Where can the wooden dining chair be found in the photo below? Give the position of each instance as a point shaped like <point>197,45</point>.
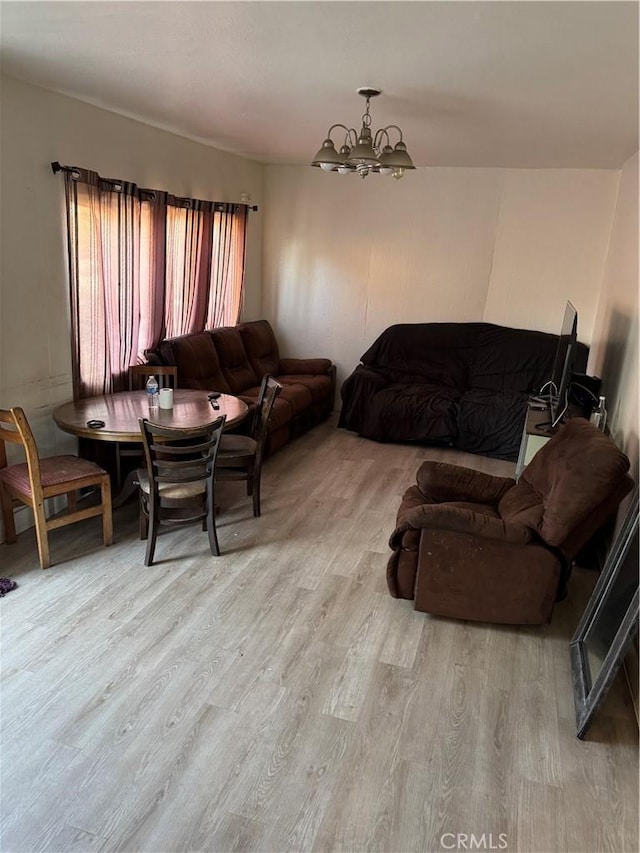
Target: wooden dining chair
<point>240,456</point>
<point>34,481</point>
<point>177,486</point>
<point>167,375</point>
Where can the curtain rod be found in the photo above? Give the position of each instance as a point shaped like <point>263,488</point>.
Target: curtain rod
<point>57,167</point>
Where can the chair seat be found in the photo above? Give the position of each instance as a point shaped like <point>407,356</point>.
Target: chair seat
<point>172,490</point>
<point>35,481</point>
<point>234,446</point>
<point>54,470</point>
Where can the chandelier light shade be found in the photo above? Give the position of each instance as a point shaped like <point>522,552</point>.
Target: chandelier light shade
<point>365,152</point>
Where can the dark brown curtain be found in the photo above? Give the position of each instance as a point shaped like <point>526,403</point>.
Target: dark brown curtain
<point>144,265</point>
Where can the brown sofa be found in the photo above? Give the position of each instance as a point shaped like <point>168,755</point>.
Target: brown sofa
<point>469,545</point>
<point>234,359</point>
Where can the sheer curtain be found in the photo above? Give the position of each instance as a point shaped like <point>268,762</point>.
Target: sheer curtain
<point>144,265</point>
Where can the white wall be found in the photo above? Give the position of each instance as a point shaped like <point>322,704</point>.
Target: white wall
<point>614,352</point>
<point>344,257</point>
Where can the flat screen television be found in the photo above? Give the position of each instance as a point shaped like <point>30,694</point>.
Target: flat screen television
<point>558,385</point>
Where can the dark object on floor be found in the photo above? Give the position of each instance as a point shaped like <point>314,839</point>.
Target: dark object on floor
<point>235,359</point>
<point>6,585</point>
<point>32,482</point>
<point>463,385</point>
<point>177,486</point>
<point>469,545</point>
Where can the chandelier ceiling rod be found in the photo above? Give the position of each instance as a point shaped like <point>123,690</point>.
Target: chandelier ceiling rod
<point>364,152</point>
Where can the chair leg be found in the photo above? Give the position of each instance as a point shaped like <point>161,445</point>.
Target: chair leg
<point>7,515</point>
<point>72,503</point>
<point>107,516</point>
<point>211,530</point>
<point>42,535</point>
<point>151,540</point>
<point>144,517</point>
<point>256,499</point>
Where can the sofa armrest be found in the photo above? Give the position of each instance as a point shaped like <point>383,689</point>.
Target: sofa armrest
<point>304,366</point>
<point>444,482</point>
<point>460,520</point>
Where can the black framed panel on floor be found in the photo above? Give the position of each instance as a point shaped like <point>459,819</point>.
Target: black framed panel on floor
<point>608,624</point>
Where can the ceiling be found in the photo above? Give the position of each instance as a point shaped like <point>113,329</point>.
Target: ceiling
<point>504,84</point>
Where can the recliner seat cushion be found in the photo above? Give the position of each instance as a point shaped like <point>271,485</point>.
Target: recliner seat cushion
<point>320,387</point>
<point>297,395</point>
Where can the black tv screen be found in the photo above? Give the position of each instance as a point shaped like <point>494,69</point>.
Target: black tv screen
<point>563,365</point>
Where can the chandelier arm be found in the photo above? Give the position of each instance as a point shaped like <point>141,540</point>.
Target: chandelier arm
<point>377,140</point>
<point>393,127</point>
<point>343,126</point>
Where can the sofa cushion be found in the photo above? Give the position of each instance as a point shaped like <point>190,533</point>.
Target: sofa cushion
<point>413,413</point>
<point>235,365</point>
<point>304,366</point>
<point>281,413</point>
<point>261,347</point>
<point>320,387</point>
<point>491,422</point>
<point>298,396</point>
<point>197,360</point>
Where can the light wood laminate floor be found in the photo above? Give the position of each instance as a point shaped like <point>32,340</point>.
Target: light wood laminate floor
<point>278,699</point>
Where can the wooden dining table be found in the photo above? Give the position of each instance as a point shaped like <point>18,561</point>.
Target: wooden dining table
<point>120,413</point>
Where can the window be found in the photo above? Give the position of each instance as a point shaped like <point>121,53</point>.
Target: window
<point>145,265</point>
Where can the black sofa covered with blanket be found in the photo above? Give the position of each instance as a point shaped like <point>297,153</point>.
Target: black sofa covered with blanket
<point>463,385</point>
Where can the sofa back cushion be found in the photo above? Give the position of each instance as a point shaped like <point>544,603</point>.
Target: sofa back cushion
<point>435,352</point>
<point>197,361</point>
<point>261,347</point>
<point>515,359</point>
<point>234,361</point>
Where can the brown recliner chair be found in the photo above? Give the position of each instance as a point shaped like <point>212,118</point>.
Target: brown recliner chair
<point>469,545</point>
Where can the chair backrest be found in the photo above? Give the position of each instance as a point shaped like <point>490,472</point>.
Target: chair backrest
<point>15,429</point>
<point>269,390</point>
<point>180,456</point>
<point>167,375</point>
<point>580,477</point>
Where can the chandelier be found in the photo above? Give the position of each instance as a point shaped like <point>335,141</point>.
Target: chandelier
<point>365,152</point>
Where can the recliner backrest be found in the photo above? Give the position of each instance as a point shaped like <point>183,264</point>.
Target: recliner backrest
<point>261,346</point>
<point>581,477</point>
<point>234,361</point>
<point>197,361</point>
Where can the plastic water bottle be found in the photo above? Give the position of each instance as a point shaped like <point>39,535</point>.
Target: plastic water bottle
<point>152,392</point>
<point>599,416</point>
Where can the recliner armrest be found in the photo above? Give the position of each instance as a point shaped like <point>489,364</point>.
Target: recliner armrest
<point>444,517</point>
<point>444,482</point>
<point>305,366</point>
